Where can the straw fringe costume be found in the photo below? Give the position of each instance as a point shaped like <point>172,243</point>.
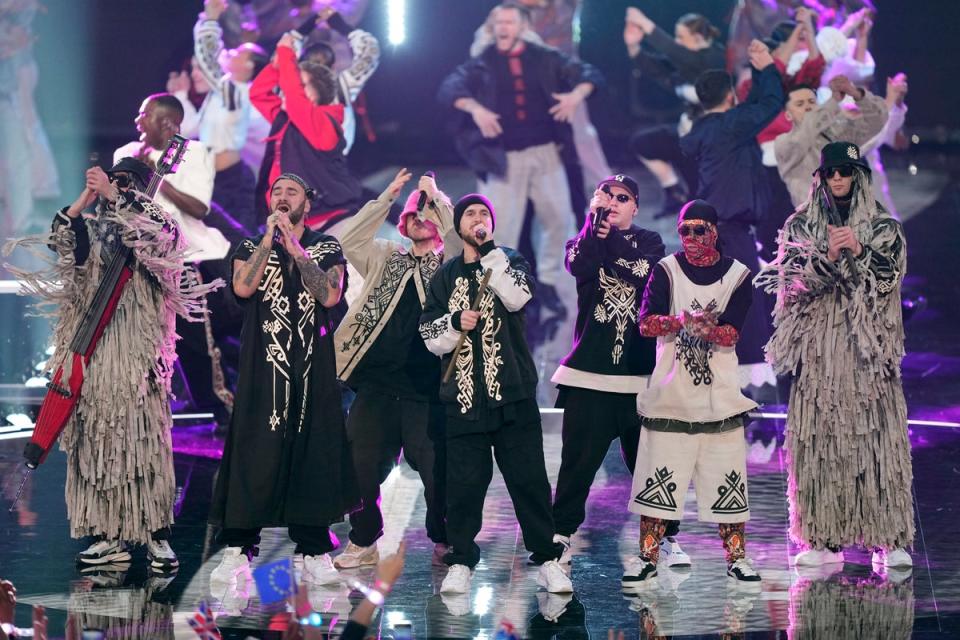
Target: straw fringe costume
<point>120,480</point>
<point>849,455</point>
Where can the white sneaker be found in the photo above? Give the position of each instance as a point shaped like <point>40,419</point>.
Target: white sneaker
<point>233,564</point>
<point>671,553</point>
<point>319,570</point>
<point>356,556</point>
<point>893,558</point>
<point>457,580</point>
<point>552,578</point>
<point>744,575</point>
<point>567,556</point>
<point>553,605</point>
<point>104,552</point>
<point>639,572</point>
<point>817,557</point>
<point>161,557</point>
<point>458,604</point>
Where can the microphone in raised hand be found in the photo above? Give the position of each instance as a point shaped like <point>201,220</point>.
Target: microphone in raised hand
<point>422,200</point>
<point>480,232</point>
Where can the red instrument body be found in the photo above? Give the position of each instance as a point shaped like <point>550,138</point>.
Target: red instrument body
<point>58,406</point>
<point>61,400</point>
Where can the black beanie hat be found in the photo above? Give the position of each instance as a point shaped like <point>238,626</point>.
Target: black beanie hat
<point>698,210</point>
<point>466,201</point>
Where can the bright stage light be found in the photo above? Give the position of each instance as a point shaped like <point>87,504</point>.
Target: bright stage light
<point>396,21</point>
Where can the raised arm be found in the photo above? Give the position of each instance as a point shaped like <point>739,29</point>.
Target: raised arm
<point>510,277</point>
<point>366,56</point>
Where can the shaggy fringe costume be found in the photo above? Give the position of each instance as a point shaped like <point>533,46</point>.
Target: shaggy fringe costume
<point>120,480</point>
<point>849,455</point>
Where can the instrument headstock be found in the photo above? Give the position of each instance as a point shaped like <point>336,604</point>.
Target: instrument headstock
<point>172,155</point>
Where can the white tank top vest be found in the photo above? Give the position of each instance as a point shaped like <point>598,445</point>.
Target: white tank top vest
<point>694,380</point>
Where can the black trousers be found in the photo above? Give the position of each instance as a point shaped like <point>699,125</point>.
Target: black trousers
<point>514,434</point>
<point>310,540</point>
<point>379,427</point>
<point>591,421</point>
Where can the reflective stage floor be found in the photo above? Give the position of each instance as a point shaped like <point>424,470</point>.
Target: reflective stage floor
<point>37,554</point>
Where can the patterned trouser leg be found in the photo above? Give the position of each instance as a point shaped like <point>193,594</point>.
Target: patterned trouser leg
<point>651,533</point>
<point>734,538</point>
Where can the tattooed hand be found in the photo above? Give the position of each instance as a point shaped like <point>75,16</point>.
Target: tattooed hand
<point>324,285</point>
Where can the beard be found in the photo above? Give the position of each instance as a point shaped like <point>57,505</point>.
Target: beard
<point>294,215</point>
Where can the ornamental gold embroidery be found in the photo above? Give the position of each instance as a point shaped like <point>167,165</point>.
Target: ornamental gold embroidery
<point>460,300</point>
<point>492,360</point>
<point>640,268</point>
<point>619,305</point>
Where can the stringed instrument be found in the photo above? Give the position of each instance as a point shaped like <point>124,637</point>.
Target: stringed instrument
<point>62,395</point>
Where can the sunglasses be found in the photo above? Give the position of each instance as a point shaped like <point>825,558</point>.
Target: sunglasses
<point>122,180</point>
<point>697,230</point>
<point>845,171</point>
<point>619,197</point>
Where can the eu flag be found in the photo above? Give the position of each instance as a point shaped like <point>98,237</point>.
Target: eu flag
<point>275,581</point>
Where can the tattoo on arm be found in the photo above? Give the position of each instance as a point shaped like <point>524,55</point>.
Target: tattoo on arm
<point>321,284</point>
<point>253,264</point>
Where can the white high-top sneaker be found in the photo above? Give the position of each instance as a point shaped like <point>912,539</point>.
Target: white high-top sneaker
<point>896,557</point>
<point>671,554</point>
<point>356,556</point>
<point>319,570</point>
<point>457,580</point>
<point>233,565</point>
<point>552,578</point>
<point>817,557</point>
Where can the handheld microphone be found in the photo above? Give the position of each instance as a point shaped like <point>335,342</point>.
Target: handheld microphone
<point>599,216</point>
<point>423,194</point>
<point>481,233</point>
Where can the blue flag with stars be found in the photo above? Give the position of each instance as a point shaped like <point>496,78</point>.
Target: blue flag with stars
<point>275,581</point>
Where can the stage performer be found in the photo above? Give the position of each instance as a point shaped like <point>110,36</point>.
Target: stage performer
<point>599,379</point>
<point>285,460</point>
<point>381,356</point>
<point>490,398</point>
<point>693,412</point>
<point>839,333</point>
<point>120,481</point>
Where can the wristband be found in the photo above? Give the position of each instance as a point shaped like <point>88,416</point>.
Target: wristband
<point>314,619</point>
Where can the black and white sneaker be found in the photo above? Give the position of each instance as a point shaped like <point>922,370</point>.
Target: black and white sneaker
<point>743,573</point>
<point>161,557</point>
<point>104,552</point>
<point>638,572</point>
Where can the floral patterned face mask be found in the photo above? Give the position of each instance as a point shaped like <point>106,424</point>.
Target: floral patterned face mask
<point>699,240</point>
